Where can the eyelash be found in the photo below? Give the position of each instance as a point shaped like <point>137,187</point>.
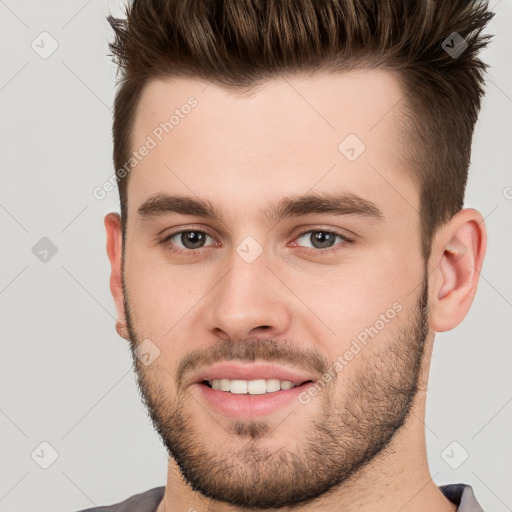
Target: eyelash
<point>308,250</point>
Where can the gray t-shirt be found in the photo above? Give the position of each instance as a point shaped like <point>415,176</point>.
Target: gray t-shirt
<point>148,501</point>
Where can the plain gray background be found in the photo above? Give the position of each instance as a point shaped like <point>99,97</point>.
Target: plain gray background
<point>66,376</point>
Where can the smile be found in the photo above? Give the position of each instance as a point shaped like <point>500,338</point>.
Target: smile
<point>251,387</point>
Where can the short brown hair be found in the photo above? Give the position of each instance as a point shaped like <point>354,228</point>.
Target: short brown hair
<point>238,44</point>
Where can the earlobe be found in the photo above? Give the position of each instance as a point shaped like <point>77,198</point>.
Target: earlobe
<point>122,330</point>
<point>457,259</point>
<point>112,223</point>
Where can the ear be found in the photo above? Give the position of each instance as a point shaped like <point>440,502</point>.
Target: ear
<point>457,256</point>
<point>114,250</point>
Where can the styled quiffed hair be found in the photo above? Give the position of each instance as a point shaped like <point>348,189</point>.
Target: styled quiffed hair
<point>238,44</point>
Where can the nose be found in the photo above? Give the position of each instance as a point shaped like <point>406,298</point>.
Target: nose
<point>249,301</point>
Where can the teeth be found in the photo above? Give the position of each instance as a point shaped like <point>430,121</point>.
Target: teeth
<point>251,387</point>
<point>239,387</point>
<point>273,385</point>
<point>224,384</point>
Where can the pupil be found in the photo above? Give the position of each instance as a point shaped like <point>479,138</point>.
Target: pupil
<point>323,239</point>
<point>192,239</point>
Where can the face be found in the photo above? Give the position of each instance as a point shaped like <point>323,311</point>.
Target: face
<point>270,256</point>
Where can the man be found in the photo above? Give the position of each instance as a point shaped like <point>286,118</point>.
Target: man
<point>292,236</point>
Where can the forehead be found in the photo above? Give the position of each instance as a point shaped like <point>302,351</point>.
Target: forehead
<point>295,107</point>
<point>292,134</point>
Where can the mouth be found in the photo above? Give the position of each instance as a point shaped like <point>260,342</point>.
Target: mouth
<point>252,387</point>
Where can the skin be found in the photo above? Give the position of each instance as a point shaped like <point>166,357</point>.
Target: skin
<point>242,153</point>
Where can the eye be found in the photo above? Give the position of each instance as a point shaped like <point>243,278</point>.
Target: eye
<point>322,239</point>
<point>191,241</point>
<point>185,241</point>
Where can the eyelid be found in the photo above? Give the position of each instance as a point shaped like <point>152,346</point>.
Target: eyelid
<point>178,231</point>
<point>347,235</point>
<point>328,251</point>
<point>346,239</point>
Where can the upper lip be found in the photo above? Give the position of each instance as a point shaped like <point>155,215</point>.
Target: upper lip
<point>250,371</point>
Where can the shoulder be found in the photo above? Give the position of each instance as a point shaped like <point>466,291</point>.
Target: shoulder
<point>146,501</point>
<point>463,496</point>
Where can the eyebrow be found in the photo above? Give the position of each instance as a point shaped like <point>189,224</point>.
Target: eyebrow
<point>161,205</point>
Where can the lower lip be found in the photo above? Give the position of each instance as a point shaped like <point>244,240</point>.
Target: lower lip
<point>243,406</point>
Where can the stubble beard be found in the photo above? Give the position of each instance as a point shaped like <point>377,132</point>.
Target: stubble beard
<point>349,431</point>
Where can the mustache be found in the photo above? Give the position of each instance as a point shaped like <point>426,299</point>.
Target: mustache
<point>266,350</point>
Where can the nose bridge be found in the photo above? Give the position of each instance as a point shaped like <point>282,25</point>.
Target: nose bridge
<point>248,296</point>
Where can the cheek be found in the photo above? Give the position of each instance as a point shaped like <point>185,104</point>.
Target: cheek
<point>155,298</point>
<point>353,298</point>
<point>340,301</point>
